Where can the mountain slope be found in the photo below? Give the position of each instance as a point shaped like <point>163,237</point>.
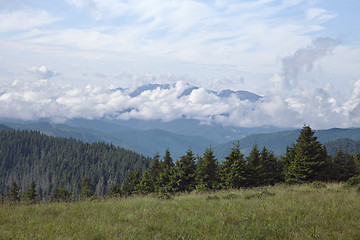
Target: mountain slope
<point>53,161</point>
<point>147,142</point>
<point>345,144</point>
<point>4,127</point>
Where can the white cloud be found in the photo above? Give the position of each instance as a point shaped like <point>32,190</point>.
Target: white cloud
<point>43,72</point>
<point>42,99</point>
<point>304,59</point>
<point>24,20</point>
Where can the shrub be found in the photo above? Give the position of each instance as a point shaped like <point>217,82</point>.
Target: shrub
<point>353,181</point>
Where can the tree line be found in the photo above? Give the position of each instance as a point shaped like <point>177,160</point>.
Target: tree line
<point>304,161</point>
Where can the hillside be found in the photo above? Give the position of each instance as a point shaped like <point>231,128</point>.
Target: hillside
<point>54,161</point>
<point>346,145</point>
<point>4,127</point>
<point>147,142</point>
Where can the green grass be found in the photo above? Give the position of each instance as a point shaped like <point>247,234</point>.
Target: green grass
<point>279,212</point>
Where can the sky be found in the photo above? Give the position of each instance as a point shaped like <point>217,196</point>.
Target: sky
<point>61,58</point>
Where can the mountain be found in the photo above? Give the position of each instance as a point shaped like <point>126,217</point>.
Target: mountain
<point>147,142</point>
<point>188,127</point>
<point>242,95</point>
<point>148,87</point>
<point>345,144</point>
<point>277,142</point>
<point>4,127</point>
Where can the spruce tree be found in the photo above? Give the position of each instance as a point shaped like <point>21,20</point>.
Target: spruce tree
<point>146,184</point>
<point>86,188</point>
<point>14,192</point>
<point>234,170</point>
<point>30,194</point>
<point>208,171</point>
<point>254,167</point>
<point>186,172</point>
<point>165,182</point>
<point>310,159</point>
<point>344,166</point>
<point>269,172</point>
<point>130,184</point>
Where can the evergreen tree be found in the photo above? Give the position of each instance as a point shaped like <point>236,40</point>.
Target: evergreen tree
<point>2,196</point>
<point>60,194</point>
<point>310,159</point>
<point>208,171</point>
<point>131,182</point>
<point>285,161</point>
<point>269,172</point>
<point>14,192</point>
<point>86,188</point>
<point>165,182</point>
<point>254,166</point>
<point>234,170</point>
<point>344,166</point>
<point>146,184</point>
<point>186,172</point>
<point>115,191</point>
<point>30,194</point>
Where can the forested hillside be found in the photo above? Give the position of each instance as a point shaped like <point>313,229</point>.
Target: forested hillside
<point>278,141</point>
<point>345,144</point>
<point>53,161</point>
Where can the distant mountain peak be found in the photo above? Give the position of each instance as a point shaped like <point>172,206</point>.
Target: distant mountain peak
<point>225,93</point>
<point>148,87</point>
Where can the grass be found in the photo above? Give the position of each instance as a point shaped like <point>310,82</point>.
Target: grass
<point>279,212</point>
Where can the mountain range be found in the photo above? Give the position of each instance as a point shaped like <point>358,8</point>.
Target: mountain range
<point>149,137</point>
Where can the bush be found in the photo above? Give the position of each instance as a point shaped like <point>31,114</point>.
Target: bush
<point>353,181</point>
<point>60,194</point>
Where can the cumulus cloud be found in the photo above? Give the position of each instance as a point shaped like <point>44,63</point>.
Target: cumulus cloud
<point>46,99</point>
<point>304,58</point>
<point>43,72</point>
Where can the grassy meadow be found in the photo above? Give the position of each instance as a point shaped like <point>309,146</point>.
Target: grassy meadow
<point>280,212</point>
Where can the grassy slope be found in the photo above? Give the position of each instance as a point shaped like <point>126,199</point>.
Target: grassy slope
<point>280,212</point>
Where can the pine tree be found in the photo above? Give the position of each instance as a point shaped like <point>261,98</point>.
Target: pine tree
<point>234,170</point>
<point>269,172</point>
<point>310,159</point>
<point>30,195</point>
<point>14,192</point>
<point>208,171</point>
<point>146,184</point>
<point>285,161</point>
<point>186,172</point>
<point>165,183</point>
<point>131,182</point>
<point>86,188</point>
<point>344,166</point>
<point>254,166</point>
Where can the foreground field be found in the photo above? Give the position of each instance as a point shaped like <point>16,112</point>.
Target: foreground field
<point>280,212</point>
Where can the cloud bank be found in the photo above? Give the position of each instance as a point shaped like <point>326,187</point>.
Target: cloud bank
<point>46,99</point>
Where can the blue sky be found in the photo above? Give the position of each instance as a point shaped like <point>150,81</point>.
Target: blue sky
<point>295,49</point>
